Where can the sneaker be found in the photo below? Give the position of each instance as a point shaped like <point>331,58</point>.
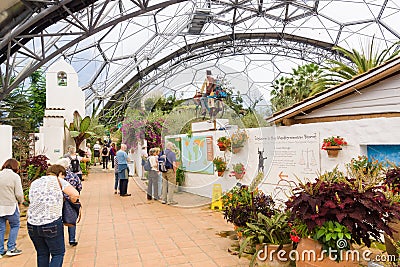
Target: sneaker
<point>172,203</point>
<point>164,202</point>
<point>2,254</point>
<point>73,244</point>
<point>13,252</point>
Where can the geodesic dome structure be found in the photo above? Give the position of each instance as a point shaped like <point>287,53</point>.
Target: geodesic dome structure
<point>123,49</point>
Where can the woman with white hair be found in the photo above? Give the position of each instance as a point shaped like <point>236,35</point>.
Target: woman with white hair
<point>74,180</point>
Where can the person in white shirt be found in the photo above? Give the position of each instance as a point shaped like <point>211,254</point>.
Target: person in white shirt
<point>45,226</point>
<point>96,152</point>
<point>11,195</point>
<point>153,174</point>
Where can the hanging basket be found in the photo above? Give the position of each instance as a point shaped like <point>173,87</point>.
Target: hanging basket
<point>333,151</point>
<point>221,173</point>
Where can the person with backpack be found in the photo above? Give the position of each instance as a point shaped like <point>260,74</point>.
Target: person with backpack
<point>105,153</point>
<point>168,166</point>
<point>74,180</point>
<point>151,166</point>
<point>75,161</point>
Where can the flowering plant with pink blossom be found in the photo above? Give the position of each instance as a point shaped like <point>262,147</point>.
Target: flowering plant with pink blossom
<point>138,127</point>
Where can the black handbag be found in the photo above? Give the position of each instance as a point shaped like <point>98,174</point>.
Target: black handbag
<point>71,213</point>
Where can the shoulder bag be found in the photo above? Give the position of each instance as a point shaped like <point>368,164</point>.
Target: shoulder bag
<point>71,212</point>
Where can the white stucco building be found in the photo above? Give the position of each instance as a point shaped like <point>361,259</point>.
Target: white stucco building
<point>63,97</point>
<point>365,111</point>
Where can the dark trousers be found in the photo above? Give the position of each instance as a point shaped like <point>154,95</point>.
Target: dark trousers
<point>105,162</point>
<point>112,160</point>
<point>123,186</point>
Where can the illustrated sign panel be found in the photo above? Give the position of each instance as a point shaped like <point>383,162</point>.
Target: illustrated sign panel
<point>177,148</point>
<point>384,153</point>
<point>196,154</point>
<point>295,154</point>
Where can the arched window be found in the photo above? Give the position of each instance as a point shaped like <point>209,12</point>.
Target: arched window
<point>62,78</point>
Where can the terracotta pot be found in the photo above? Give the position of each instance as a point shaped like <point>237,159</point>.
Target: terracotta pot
<point>236,150</point>
<point>305,251</point>
<point>271,259</point>
<point>221,146</point>
<point>239,175</point>
<point>390,247</point>
<point>221,173</point>
<point>333,151</point>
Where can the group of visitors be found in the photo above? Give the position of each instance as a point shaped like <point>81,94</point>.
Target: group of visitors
<point>63,181</point>
<point>163,162</point>
<point>107,153</point>
<point>44,222</point>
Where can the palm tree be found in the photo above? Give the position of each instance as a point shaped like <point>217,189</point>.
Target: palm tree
<point>361,61</point>
<point>305,81</point>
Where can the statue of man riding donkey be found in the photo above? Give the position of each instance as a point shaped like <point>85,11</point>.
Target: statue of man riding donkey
<point>210,97</point>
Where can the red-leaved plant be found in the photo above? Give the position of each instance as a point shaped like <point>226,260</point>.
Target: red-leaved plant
<point>361,207</point>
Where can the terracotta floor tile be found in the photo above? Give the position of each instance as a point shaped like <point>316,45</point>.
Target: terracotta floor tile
<point>134,232</point>
<point>177,260</point>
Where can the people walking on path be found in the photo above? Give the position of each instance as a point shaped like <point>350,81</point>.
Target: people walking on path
<point>88,153</point>
<point>105,153</point>
<point>113,151</point>
<point>74,161</point>
<point>123,171</point>
<point>116,183</point>
<point>11,195</point>
<point>152,188</point>
<point>144,156</point>
<point>96,152</point>
<point>74,180</point>
<point>169,177</point>
<point>45,226</point>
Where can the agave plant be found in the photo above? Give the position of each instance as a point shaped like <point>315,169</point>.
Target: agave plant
<point>78,129</point>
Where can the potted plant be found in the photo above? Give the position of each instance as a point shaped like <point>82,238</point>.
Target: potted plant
<point>220,165</point>
<point>241,205</point>
<point>180,176</point>
<point>356,202</point>
<point>238,170</point>
<point>333,145</point>
<point>391,184</point>
<point>238,140</point>
<point>270,235</point>
<point>223,143</point>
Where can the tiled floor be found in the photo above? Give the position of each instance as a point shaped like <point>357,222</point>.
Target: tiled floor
<point>132,231</point>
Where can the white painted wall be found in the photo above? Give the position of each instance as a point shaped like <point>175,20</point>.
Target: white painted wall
<point>5,143</point>
<point>358,134</point>
<point>63,100</point>
<point>377,98</point>
<point>69,97</point>
<point>53,142</point>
